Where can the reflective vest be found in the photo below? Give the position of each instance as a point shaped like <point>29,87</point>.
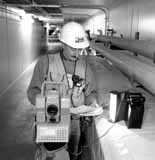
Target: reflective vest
<point>57,73</point>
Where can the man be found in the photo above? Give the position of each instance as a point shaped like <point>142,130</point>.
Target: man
<point>71,68</point>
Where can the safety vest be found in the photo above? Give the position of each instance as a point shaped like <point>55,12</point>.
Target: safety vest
<point>57,73</point>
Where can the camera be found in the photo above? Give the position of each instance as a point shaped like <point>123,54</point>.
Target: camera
<point>52,106</point>
<point>52,114</point>
<point>77,81</point>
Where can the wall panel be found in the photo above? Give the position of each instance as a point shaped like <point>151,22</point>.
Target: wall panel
<point>96,24</point>
<point>19,46</point>
<point>15,67</point>
<point>4,70</point>
<point>134,16</point>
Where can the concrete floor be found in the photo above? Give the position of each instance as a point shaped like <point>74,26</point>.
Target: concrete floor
<point>16,119</point>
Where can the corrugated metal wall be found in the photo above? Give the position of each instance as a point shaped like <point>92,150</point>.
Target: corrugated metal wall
<point>134,16</point>
<point>96,23</point>
<point>17,48</point>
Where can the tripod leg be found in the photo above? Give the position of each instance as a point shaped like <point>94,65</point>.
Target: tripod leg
<point>40,154</point>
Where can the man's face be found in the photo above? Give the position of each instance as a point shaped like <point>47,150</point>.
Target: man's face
<point>71,54</point>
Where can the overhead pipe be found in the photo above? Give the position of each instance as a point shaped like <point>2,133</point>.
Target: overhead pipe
<point>143,47</point>
<point>128,64</point>
<point>6,10</point>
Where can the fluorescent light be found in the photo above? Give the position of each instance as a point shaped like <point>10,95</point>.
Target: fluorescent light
<point>113,107</point>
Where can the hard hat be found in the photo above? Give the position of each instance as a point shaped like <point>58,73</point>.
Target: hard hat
<point>73,34</point>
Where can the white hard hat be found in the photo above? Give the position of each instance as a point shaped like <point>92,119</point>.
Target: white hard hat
<point>73,34</point>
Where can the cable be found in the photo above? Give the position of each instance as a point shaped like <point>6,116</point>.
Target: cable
<point>38,146</point>
<point>93,142</point>
<point>75,154</point>
<point>47,69</point>
<point>85,77</point>
<point>97,139</point>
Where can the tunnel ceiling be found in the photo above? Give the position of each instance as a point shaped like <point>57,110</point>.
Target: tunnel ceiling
<point>78,10</point>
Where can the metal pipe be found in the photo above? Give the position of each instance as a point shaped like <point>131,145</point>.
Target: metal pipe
<point>134,68</point>
<point>145,48</point>
<point>6,10</point>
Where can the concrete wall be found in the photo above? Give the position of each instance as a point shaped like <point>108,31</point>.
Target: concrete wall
<point>134,16</point>
<point>19,46</point>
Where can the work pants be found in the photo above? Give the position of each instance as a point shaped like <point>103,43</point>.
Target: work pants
<point>74,138</point>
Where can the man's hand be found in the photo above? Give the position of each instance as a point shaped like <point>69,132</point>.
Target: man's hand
<point>95,105</point>
<point>77,99</point>
<point>78,94</point>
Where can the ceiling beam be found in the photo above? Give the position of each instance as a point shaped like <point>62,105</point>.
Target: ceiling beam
<point>28,1</point>
<point>30,4</point>
<point>39,9</point>
<point>33,5</point>
<point>57,6</point>
<point>76,14</point>
<point>84,6</point>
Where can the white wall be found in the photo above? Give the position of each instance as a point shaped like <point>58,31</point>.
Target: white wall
<point>95,23</point>
<point>132,16</point>
<point>18,48</point>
